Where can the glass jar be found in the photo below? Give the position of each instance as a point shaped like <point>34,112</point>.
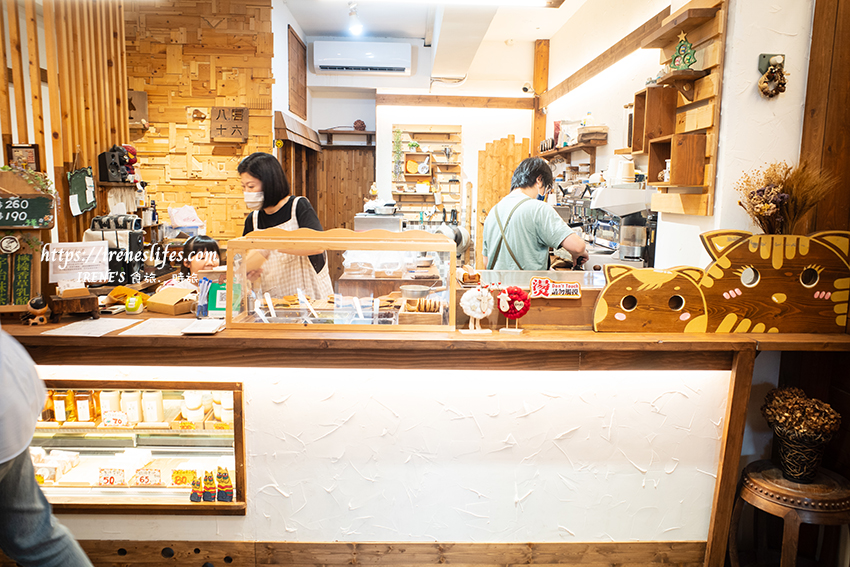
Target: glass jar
<point>85,405</point>
<point>48,413</point>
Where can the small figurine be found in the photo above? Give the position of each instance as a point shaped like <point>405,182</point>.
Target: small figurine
<point>477,303</point>
<point>513,304</point>
<point>225,488</point>
<point>209,487</point>
<point>37,312</point>
<point>197,492</point>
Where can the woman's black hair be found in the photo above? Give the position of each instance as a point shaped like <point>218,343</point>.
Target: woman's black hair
<point>267,169</point>
<point>200,244</point>
<point>527,172</point>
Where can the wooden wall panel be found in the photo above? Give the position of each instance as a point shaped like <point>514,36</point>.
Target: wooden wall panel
<point>128,553</point>
<point>192,56</point>
<point>297,75</point>
<point>496,164</point>
<point>344,178</point>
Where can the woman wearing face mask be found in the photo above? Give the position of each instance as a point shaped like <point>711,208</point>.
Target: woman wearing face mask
<point>266,193</point>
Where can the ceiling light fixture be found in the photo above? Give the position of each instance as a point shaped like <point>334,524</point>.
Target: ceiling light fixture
<point>354,25</point>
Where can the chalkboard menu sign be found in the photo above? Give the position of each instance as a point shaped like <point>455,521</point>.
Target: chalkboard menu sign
<point>4,279</point>
<point>22,279</point>
<point>26,212</point>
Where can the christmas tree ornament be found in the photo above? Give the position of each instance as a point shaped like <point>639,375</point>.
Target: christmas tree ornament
<point>684,56</point>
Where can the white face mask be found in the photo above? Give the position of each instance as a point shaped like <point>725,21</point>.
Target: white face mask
<point>253,199</point>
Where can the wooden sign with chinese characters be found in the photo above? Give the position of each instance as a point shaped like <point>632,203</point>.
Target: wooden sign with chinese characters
<point>229,124</point>
<point>544,287</point>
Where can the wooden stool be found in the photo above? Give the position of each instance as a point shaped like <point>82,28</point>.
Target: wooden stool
<point>826,501</point>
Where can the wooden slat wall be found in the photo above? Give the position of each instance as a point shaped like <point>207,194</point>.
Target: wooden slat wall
<point>195,55</point>
<point>343,181</point>
<point>496,164</point>
<point>76,42</point>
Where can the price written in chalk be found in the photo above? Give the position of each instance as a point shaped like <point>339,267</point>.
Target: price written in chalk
<point>182,477</point>
<point>148,477</point>
<point>111,477</point>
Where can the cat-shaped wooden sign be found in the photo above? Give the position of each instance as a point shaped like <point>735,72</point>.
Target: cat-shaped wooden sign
<point>755,283</point>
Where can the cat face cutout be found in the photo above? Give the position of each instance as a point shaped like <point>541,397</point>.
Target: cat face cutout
<point>777,283</point>
<point>649,300</point>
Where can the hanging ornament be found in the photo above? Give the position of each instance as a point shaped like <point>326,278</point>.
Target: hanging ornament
<point>684,56</point>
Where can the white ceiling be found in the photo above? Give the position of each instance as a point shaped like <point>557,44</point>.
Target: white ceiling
<point>410,19</point>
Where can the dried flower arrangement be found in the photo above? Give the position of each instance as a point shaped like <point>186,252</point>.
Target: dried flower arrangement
<point>777,196</point>
<point>795,416</point>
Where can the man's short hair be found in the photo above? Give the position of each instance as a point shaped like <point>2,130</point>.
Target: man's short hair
<point>527,172</point>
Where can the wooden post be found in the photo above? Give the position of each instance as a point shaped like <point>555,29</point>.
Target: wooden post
<point>5,108</point>
<point>17,71</point>
<point>35,83</point>
<point>730,454</point>
<point>540,84</point>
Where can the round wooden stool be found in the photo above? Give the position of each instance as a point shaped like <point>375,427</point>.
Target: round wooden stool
<point>826,501</point>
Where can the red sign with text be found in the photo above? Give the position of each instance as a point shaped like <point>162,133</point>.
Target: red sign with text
<point>544,287</point>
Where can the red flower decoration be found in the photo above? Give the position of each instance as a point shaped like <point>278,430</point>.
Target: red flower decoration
<point>513,302</point>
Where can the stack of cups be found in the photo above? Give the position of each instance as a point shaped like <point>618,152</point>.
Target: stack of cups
<point>227,407</point>
<point>131,404</point>
<point>193,406</point>
<point>626,172</point>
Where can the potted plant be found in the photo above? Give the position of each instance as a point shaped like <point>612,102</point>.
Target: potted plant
<point>413,145</point>
<point>398,167</point>
<point>803,426</point>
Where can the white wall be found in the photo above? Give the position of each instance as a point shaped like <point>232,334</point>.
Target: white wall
<point>472,456</point>
<point>479,127</point>
<point>281,19</point>
<point>341,107</point>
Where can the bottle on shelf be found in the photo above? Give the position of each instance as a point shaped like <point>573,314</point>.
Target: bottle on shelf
<point>154,214</point>
<point>587,120</point>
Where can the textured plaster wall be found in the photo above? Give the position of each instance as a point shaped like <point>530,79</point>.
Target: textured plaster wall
<point>372,455</point>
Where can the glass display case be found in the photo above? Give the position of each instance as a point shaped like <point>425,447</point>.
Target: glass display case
<point>141,447</point>
<point>340,279</point>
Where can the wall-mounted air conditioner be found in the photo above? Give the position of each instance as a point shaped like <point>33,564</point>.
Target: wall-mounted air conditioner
<point>361,57</point>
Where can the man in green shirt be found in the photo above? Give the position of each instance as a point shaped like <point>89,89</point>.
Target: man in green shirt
<point>521,228</point>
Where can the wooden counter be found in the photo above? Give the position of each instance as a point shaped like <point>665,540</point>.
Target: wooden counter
<point>533,350</point>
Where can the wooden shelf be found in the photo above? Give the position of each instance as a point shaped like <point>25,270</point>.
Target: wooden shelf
<point>623,152</point>
<point>665,185</point>
<point>686,21</point>
<point>696,204</point>
<point>683,81</point>
<point>110,184</point>
<point>587,147</point>
<point>330,132</point>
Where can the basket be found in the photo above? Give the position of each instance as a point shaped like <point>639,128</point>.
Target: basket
<point>798,460</point>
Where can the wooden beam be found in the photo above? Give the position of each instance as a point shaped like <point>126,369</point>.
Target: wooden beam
<point>112,71</point>
<point>17,71</point>
<point>5,107</point>
<point>456,101</point>
<point>730,454</point>
<point>35,81</point>
<point>540,84</point>
<point>622,48</point>
<point>102,115</point>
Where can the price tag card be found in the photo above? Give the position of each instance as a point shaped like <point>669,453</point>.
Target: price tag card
<point>182,477</point>
<point>544,287</point>
<point>110,477</point>
<point>148,477</point>
<point>186,425</point>
<point>115,419</point>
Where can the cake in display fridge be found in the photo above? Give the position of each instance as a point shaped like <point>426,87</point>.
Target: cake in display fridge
<point>123,447</point>
<point>341,280</point>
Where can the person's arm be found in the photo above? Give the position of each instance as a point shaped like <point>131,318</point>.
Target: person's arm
<point>249,224</point>
<point>306,216</point>
<point>574,244</point>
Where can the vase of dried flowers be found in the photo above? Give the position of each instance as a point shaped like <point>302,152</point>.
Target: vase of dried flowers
<point>777,196</point>
<point>803,426</point>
